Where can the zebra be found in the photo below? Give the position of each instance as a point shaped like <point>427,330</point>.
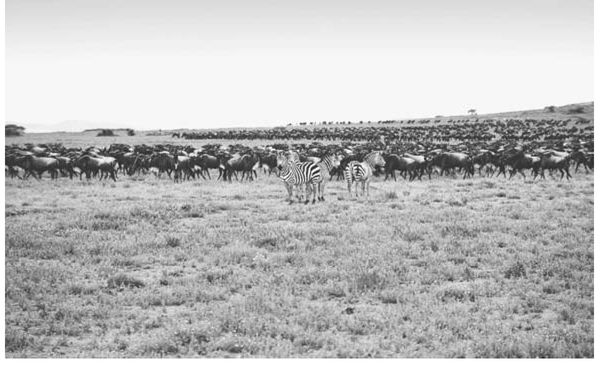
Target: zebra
<point>361,172</point>
<point>327,164</point>
<point>294,173</point>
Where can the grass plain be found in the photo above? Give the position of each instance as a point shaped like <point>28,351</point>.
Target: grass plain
<point>486,267</point>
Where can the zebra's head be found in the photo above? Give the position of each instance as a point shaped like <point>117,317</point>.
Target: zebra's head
<point>375,159</point>
<point>336,160</point>
<point>281,160</point>
<point>379,160</point>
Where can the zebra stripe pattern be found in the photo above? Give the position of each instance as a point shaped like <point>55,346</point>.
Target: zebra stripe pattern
<point>297,174</point>
<point>326,165</point>
<point>361,172</point>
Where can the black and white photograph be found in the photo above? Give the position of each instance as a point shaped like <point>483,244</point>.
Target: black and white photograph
<point>287,179</point>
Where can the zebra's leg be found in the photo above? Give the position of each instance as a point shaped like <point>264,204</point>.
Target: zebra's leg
<point>290,193</point>
<point>321,190</point>
<point>307,192</point>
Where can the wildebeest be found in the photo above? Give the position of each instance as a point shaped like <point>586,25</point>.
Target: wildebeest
<point>552,160</point>
<point>37,165</point>
<point>452,160</point>
<point>485,159</point>
<point>206,162</point>
<point>580,158</point>
<point>405,166</point>
<point>184,168</point>
<point>93,165</point>
<point>245,164</point>
<point>422,163</point>
<point>518,160</point>
<point>164,162</point>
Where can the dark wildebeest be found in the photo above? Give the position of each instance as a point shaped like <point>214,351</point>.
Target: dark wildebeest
<point>105,165</point>
<point>405,165</point>
<point>206,162</point>
<point>554,160</point>
<point>269,163</point>
<point>184,166</point>
<point>485,158</point>
<point>422,163</point>
<point>518,160</point>
<point>37,165</point>
<point>452,160</point>
<point>164,162</point>
<point>580,158</point>
<point>244,164</point>
<point>10,160</point>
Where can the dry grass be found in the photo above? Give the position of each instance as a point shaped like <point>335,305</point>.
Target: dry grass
<point>423,269</point>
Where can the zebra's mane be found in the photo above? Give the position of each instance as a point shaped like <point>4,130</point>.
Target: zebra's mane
<point>370,157</point>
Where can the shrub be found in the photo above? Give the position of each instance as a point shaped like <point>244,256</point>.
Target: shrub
<point>106,133</point>
<point>123,280</point>
<point>576,109</point>
<point>13,130</point>
<point>516,270</point>
<point>391,195</point>
<point>549,109</point>
<point>173,242</point>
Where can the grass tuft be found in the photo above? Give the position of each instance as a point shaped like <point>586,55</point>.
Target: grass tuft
<point>516,270</point>
<point>173,242</point>
<point>124,280</point>
<point>391,195</point>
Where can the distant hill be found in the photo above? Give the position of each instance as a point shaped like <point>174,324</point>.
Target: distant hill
<point>575,111</point>
<point>74,126</point>
<point>578,110</point>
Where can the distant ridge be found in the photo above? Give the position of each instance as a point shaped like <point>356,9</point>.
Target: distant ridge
<point>560,112</point>
<point>73,126</point>
<point>576,111</point>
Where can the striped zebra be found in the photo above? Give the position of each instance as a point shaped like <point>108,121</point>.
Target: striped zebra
<point>296,174</point>
<point>361,172</point>
<point>327,164</point>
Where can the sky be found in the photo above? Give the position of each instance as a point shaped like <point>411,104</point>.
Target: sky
<point>148,64</point>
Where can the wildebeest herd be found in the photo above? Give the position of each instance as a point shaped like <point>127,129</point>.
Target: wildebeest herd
<point>488,130</point>
<point>310,166</point>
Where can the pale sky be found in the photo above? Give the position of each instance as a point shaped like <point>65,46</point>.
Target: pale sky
<point>150,64</point>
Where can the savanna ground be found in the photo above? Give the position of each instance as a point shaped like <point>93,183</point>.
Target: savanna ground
<point>143,267</point>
